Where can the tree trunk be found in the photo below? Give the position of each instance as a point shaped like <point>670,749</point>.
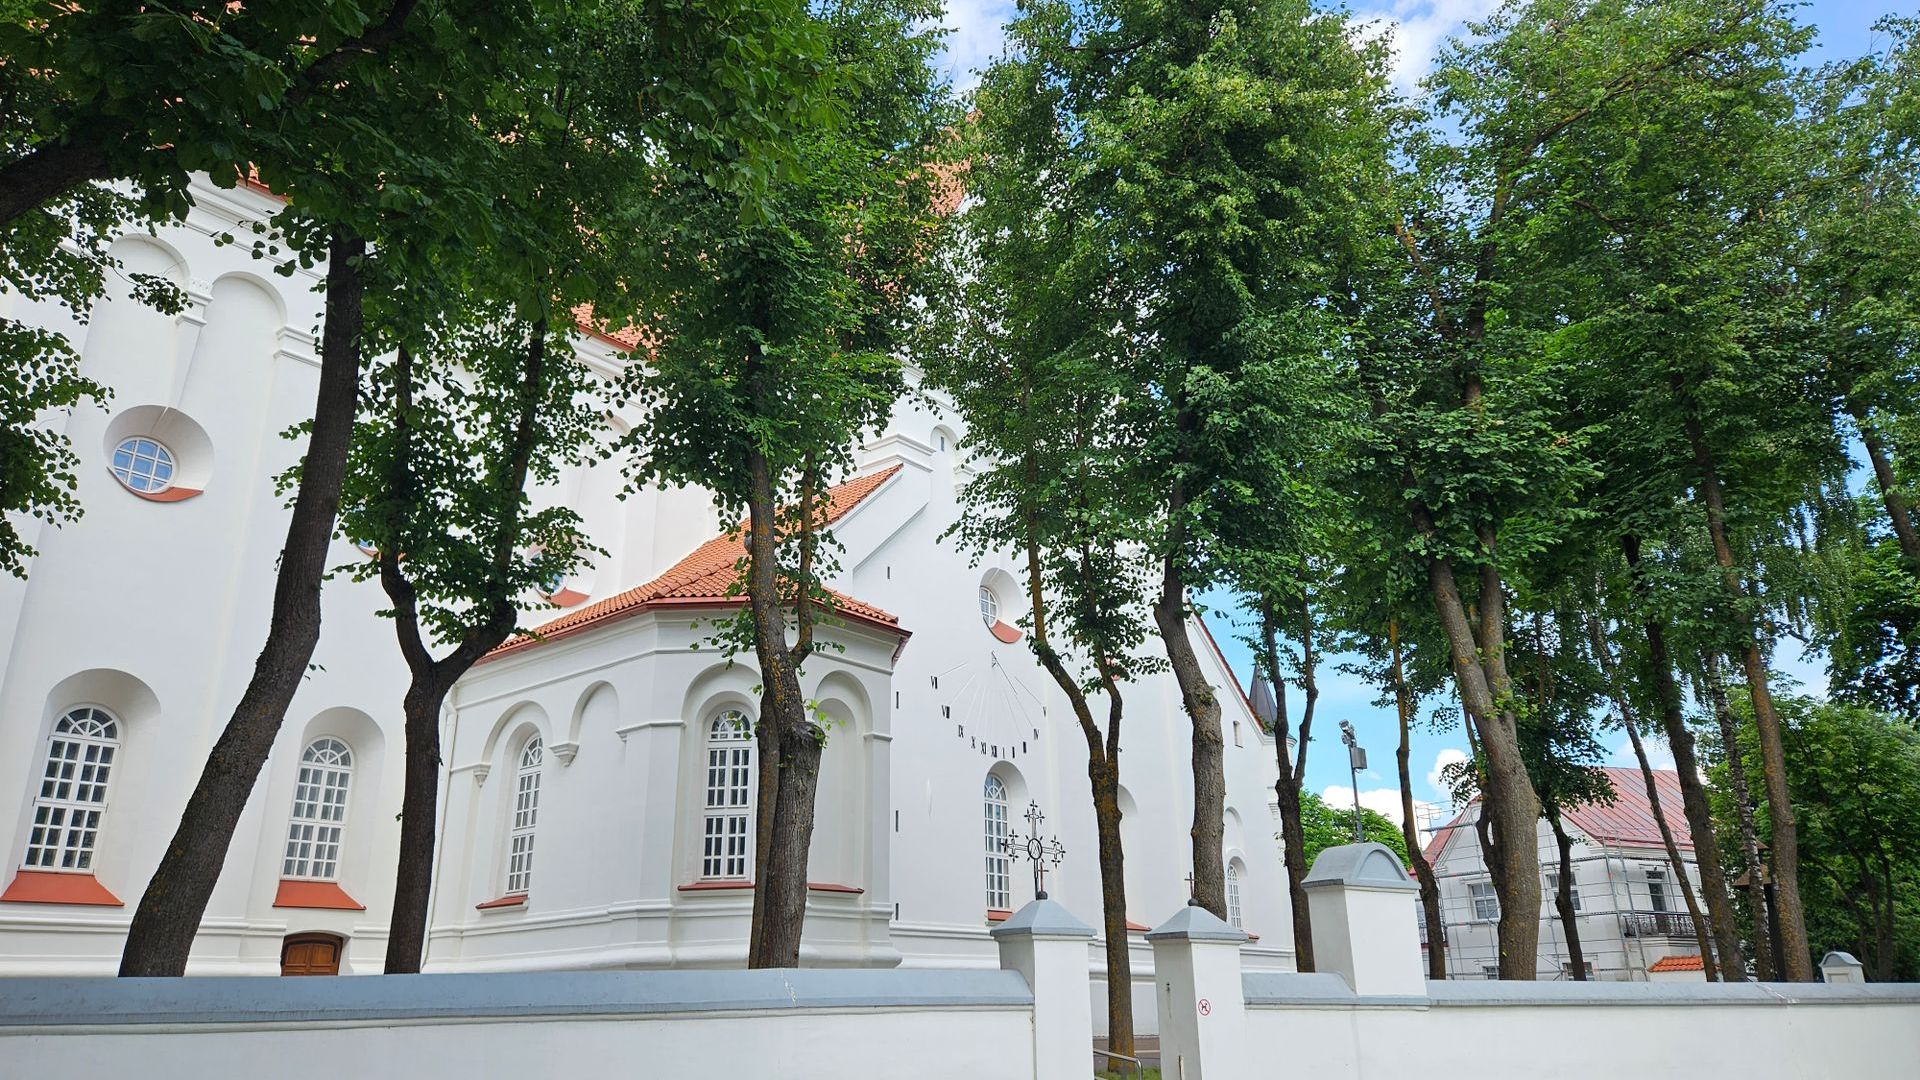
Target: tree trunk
<point>1103,777</point>
<point>431,679</point>
<point>44,174</point>
<point>1511,805</point>
<point>1654,800</point>
<point>1293,838</point>
<point>1898,512</point>
<point>1209,749</point>
<point>1105,780</point>
<point>1743,815</point>
<point>161,934</point>
<point>419,805</point>
<point>780,892</point>
<point>1563,897</point>
<point>1773,758</point>
<point>1409,827</point>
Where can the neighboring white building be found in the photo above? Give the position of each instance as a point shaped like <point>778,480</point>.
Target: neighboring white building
<point>597,794</point>
<point>1632,919</point>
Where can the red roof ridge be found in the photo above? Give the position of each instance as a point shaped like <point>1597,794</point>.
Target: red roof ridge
<point>708,577</point>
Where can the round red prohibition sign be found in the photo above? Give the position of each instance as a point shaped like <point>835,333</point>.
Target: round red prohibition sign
<point>1206,1007</point>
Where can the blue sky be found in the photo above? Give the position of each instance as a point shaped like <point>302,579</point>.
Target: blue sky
<point>1418,27</point>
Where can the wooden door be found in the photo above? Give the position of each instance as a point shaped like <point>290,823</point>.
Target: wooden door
<point>310,954</point>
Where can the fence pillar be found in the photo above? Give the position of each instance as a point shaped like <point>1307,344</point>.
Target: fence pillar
<point>1203,1005</point>
<point>1048,947</point>
<point>1364,925</point>
<point>1841,967</point>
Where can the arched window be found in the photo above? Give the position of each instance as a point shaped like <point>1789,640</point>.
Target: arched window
<point>143,465</point>
<point>319,811</point>
<point>73,790</point>
<point>1233,893</point>
<point>727,839</point>
<point>989,606</point>
<point>999,871</point>
<point>526,812</point>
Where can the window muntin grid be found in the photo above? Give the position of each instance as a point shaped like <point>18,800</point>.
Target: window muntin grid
<point>1657,888</point>
<point>1552,888</point>
<point>989,606</point>
<point>73,790</point>
<point>999,866</point>
<point>143,465</point>
<point>727,826</point>
<point>1486,905</point>
<point>1233,893</point>
<point>526,813</point>
<point>319,814</point>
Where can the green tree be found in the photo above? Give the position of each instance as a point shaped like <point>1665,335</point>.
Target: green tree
<point>1040,396</point>
<point>775,325</point>
<point>1327,826</point>
<point>392,193</point>
<point>1208,153</point>
<point>1856,776</point>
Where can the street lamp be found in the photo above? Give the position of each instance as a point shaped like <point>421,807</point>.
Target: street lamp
<point>1356,763</point>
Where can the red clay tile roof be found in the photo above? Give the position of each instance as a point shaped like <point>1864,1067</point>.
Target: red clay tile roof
<point>707,578</point>
<point>1677,963</point>
<point>626,337</point>
<point>1628,821</point>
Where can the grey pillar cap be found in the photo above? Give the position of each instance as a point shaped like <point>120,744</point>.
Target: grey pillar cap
<point>1359,866</point>
<point>1195,923</point>
<point>1042,919</point>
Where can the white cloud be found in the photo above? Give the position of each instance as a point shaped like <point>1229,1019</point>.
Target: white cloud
<point>1659,754</point>
<point>978,29</point>
<point>1448,755</point>
<point>1386,803</point>
<point>1417,28</point>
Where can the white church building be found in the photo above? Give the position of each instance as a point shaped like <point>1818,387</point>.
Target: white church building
<point>597,788</point>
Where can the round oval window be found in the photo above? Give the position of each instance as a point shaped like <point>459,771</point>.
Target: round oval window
<point>143,465</point>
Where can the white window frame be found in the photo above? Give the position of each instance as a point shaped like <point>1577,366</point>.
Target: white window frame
<point>524,816</point>
<point>995,822</point>
<point>1233,894</point>
<point>71,803</point>
<point>150,464</point>
<point>1657,882</point>
<point>989,606</point>
<point>726,831</point>
<point>318,820</point>
<point>1481,893</point>
<point>1550,885</point>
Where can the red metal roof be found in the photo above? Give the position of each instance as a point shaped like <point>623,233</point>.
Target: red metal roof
<point>709,577</point>
<point>1628,821</point>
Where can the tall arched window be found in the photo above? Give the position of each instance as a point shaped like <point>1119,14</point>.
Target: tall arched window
<point>1233,893</point>
<point>73,790</point>
<point>727,839</point>
<point>319,811</point>
<point>526,813</point>
<point>999,870</point>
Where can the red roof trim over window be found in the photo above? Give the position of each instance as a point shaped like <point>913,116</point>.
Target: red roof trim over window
<point>1005,633</point>
<point>996,915</point>
<point>513,900</point>
<point>1136,927</point>
<point>168,495</point>
<point>715,886</point>
<point>50,887</point>
<point>315,894</point>
<point>1678,963</point>
<point>710,578</point>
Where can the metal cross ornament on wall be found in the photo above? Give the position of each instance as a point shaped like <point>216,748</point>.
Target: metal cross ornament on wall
<point>1038,851</point>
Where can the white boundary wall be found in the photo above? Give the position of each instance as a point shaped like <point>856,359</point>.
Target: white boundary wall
<point>1588,1031</point>
<point>821,1024</point>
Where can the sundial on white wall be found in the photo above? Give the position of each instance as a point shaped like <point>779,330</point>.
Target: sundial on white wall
<point>991,706</point>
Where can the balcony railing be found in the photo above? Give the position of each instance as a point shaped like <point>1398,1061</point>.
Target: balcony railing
<point>1647,924</point>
